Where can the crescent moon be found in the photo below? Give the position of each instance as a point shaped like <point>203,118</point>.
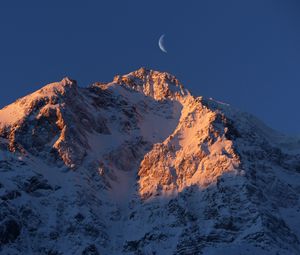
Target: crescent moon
<point>161,44</point>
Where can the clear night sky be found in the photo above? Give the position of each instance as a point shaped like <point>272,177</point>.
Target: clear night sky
<point>246,53</point>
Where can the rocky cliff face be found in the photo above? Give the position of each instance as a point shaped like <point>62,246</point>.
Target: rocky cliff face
<point>140,166</point>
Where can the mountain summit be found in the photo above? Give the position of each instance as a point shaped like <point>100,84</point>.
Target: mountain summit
<point>141,166</point>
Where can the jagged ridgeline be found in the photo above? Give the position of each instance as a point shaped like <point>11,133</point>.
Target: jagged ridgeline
<point>141,166</point>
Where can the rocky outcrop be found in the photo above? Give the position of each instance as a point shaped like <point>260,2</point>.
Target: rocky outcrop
<point>9,231</point>
<point>197,152</point>
<point>151,83</point>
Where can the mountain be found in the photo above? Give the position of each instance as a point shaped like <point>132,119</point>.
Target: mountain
<point>141,166</point>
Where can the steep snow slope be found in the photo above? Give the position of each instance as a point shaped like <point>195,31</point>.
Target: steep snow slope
<point>140,166</point>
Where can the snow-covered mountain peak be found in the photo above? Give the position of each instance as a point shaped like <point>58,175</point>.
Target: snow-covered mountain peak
<point>66,87</point>
<point>68,81</point>
<point>62,87</point>
<point>159,85</point>
<point>51,95</point>
<point>140,166</point>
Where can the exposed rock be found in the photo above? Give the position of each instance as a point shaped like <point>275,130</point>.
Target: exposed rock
<point>10,195</point>
<point>36,183</point>
<point>90,250</point>
<point>10,229</point>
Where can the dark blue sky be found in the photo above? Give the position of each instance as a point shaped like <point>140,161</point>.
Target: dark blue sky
<point>246,53</point>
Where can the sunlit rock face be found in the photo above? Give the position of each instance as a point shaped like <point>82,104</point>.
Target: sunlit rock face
<point>158,85</point>
<point>140,166</point>
<point>196,153</point>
